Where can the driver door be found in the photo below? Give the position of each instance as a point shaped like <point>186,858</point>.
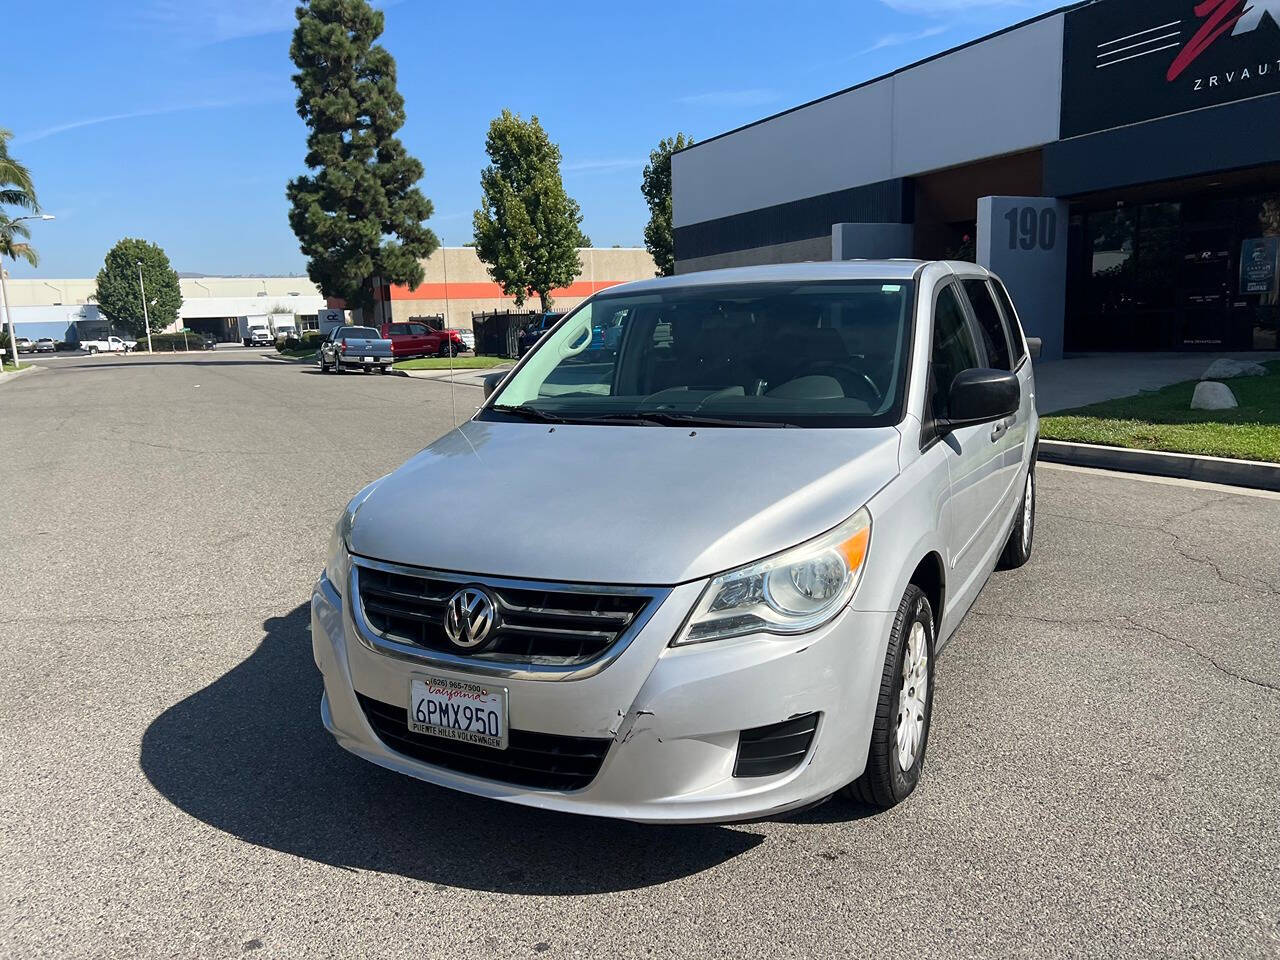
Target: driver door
<point>971,517</point>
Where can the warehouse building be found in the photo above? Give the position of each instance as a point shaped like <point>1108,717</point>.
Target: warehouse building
<point>1118,163</point>
<point>65,310</point>
<point>457,285</point>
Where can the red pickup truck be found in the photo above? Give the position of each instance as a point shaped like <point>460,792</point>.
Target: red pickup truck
<point>414,339</point>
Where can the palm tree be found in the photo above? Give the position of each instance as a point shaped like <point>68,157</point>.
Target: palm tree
<point>16,190</point>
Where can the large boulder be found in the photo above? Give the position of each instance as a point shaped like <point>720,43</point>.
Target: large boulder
<point>1225,369</point>
<point>1213,396</point>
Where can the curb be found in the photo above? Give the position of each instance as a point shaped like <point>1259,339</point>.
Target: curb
<point>1183,466</point>
<point>11,374</point>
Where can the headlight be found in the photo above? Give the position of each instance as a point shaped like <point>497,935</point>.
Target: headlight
<point>335,562</point>
<point>790,592</point>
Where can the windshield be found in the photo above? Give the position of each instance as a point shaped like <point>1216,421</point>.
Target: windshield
<point>814,354</point>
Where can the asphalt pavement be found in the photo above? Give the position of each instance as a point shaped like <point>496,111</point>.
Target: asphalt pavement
<point>1103,775</point>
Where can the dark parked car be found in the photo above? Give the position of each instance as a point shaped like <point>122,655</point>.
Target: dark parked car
<point>531,334</point>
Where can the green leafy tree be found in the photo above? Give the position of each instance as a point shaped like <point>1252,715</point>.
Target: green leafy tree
<point>527,228</point>
<point>659,238</point>
<point>360,214</point>
<point>16,190</point>
<point>119,297</point>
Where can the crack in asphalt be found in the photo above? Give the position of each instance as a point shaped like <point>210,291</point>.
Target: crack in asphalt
<point>1125,622</point>
<point>1252,583</point>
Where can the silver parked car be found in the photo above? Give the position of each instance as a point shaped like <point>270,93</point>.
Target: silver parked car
<point>719,562</point>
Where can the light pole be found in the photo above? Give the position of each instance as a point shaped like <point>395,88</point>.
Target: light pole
<point>146,319</point>
<point>4,293</point>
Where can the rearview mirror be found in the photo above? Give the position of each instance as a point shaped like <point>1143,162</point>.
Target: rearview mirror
<point>491,382</point>
<point>981,395</point>
<point>1034,345</point>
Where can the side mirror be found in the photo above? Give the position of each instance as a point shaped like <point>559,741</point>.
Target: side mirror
<point>491,382</point>
<point>1034,345</point>
<point>981,395</point>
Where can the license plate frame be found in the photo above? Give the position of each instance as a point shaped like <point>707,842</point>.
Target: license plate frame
<point>459,710</point>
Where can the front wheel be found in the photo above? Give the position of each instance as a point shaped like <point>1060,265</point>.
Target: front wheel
<point>1017,550</point>
<point>903,708</point>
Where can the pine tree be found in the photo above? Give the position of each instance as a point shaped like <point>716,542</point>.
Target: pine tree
<point>363,190</point>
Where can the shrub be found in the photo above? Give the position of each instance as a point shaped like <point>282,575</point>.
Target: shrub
<point>312,338</point>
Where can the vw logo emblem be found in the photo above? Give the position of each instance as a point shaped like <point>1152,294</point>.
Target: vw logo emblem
<point>470,617</point>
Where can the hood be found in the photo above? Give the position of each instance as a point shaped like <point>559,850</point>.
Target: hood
<point>618,504</point>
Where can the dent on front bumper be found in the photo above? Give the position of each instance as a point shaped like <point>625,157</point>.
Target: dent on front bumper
<point>673,714</point>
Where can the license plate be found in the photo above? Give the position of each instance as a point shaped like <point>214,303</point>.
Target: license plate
<point>456,710</point>
<point>368,359</point>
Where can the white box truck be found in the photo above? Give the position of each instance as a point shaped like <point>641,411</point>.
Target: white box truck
<point>255,330</point>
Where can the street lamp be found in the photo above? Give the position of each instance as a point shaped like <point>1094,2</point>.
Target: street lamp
<point>4,292</point>
<point>145,318</point>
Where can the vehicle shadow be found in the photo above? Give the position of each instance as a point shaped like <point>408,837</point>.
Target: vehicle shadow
<point>248,755</point>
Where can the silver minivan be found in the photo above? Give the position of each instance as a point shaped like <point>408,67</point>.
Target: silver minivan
<point>712,558</point>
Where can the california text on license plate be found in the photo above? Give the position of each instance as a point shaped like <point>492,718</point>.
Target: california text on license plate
<point>469,712</point>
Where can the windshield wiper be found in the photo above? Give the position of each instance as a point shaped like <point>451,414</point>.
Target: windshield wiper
<point>668,418</point>
<point>528,413</point>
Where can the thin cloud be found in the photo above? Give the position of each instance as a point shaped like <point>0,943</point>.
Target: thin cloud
<point>752,97</point>
<point>585,166</point>
<point>204,22</point>
<point>898,39</point>
<point>53,131</point>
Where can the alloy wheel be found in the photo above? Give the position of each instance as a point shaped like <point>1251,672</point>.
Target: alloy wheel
<point>913,696</point>
<point>1028,511</point>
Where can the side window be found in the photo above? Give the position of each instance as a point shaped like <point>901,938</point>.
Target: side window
<point>994,337</point>
<point>954,348</point>
<point>418,329</point>
<point>1011,316</point>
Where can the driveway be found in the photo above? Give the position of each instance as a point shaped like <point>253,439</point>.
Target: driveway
<point>1103,775</point>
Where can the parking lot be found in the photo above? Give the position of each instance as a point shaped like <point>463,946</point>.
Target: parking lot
<point>1103,774</point>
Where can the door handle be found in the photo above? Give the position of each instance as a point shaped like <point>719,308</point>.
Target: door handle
<point>999,430</point>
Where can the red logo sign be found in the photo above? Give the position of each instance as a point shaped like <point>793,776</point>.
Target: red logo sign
<point>1219,16</point>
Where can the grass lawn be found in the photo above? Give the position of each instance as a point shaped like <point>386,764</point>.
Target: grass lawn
<point>1163,420</point>
<point>301,353</point>
<point>21,365</point>
<point>458,363</point>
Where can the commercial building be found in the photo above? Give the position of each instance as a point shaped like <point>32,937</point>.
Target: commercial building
<point>1118,163</point>
<point>457,284</point>
<point>65,309</point>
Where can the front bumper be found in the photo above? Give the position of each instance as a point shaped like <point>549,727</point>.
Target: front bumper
<point>673,714</point>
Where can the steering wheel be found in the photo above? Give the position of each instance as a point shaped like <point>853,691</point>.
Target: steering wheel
<point>854,382</point>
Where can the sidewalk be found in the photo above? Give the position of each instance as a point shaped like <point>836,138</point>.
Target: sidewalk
<point>1094,377</point>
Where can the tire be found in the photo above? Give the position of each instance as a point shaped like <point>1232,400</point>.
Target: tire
<point>447,350</point>
<point>382,368</point>
<point>1017,550</point>
<point>886,782</point>
<point>93,351</point>
<point>324,367</point>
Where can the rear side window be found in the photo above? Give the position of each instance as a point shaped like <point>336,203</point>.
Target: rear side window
<point>1015,326</point>
<point>954,348</point>
<point>994,337</point>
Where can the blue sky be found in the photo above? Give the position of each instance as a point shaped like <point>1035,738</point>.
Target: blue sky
<point>174,119</point>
